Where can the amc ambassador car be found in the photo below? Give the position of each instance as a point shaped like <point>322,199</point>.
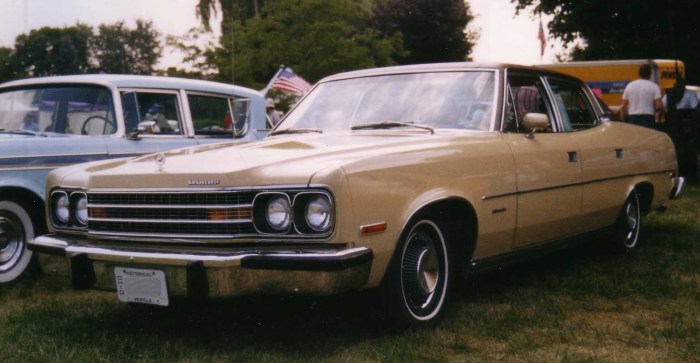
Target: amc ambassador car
<point>50,122</point>
<point>396,178</point>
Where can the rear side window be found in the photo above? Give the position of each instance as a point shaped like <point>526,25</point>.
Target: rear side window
<point>211,115</point>
<point>72,110</point>
<point>574,106</point>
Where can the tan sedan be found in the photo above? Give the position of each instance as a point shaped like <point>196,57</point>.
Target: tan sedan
<point>395,178</point>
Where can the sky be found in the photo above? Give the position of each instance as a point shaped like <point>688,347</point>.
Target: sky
<point>503,37</point>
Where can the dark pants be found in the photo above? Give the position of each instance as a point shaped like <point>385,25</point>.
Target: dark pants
<point>642,120</point>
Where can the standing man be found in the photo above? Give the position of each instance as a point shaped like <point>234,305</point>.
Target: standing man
<point>641,100</point>
<point>273,116</point>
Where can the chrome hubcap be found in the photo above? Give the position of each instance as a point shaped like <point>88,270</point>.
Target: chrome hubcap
<point>11,241</point>
<point>420,271</point>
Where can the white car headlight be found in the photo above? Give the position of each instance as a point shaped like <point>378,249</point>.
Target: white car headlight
<point>318,213</point>
<point>61,208</point>
<point>80,209</point>
<point>279,213</point>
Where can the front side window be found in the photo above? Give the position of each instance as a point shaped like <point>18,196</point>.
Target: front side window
<point>525,95</point>
<point>574,106</point>
<point>442,100</point>
<point>72,110</point>
<point>162,109</point>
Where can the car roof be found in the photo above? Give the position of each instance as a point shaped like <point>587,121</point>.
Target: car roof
<point>136,81</point>
<point>440,67</point>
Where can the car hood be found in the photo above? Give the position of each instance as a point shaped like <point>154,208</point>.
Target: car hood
<point>279,160</point>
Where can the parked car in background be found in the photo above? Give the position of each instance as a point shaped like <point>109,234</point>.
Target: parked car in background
<point>392,178</point>
<point>56,121</point>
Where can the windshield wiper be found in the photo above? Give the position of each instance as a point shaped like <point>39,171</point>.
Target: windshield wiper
<point>23,132</point>
<point>391,124</point>
<point>295,131</point>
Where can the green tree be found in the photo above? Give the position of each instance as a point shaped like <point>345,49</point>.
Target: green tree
<point>117,49</point>
<point>6,67</point>
<point>433,30</point>
<point>198,47</point>
<point>620,29</point>
<point>315,37</point>
<point>231,9</point>
<point>52,51</point>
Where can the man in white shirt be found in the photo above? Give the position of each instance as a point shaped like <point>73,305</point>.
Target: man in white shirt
<point>641,100</point>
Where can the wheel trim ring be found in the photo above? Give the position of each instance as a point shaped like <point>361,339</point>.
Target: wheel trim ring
<point>632,223</point>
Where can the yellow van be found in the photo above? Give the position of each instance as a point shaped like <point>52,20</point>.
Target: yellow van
<point>608,78</point>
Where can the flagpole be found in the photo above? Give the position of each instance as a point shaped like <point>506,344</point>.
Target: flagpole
<point>264,90</point>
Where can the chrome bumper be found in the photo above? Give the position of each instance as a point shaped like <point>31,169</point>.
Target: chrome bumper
<point>677,186</point>
<point>212,275</point>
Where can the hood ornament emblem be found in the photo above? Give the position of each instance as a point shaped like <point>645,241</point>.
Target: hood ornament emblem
<point>160,160</point>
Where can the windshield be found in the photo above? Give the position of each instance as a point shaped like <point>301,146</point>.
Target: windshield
<point>441,100</point>
<point>77,110</point>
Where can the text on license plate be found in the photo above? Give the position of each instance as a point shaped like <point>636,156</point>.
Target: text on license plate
<point>141,286</point>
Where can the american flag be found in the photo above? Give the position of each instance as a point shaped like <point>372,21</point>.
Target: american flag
<point>287,81</point>
<point>541,38</point>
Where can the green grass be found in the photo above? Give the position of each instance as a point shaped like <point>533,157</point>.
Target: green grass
<point>586,304</point>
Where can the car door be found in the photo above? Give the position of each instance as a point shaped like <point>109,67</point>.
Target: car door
<point>161,115</point>
<point>547,166</point>
<point>603,153</point>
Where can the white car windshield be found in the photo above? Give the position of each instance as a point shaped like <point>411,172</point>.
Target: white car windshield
<point>76,110</point>
<point>439,100</point>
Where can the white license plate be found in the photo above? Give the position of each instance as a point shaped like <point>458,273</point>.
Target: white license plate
<point>141,286</point>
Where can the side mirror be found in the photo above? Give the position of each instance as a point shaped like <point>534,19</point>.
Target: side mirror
<point>146,126</point>
<point>142,127</point>
<point>241,115</point>
<point>535,122</point>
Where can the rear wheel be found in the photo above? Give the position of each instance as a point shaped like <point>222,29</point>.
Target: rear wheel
<point>16,228</point>
<point>629,223</point>
<point>419,276</point>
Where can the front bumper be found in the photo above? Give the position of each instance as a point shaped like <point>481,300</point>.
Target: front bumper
<point>677,186</point>
<point>213,274</point>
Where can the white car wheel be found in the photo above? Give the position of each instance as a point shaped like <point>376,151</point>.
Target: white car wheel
<point>16,229</point>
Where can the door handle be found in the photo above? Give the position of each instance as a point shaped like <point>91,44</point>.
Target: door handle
<point>573,156</point>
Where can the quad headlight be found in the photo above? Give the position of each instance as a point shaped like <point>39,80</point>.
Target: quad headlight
<point>279,213</point>
<point>69,209</point>
<point>79,208</point>
<point>60,208</point>
<point>318,213</point>
<point>307,213</point>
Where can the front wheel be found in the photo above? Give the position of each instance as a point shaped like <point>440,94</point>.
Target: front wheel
<point>419,276</point>
<point>16,229</point>
<point>629,223</point>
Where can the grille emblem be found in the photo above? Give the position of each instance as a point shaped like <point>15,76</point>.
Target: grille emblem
<point>204,182</point>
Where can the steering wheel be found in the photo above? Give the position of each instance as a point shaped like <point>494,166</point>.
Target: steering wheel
<point>84,128</point>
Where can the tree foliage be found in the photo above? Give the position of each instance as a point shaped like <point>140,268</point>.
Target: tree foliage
<point>315,37</point>
<point>78,49</point>
<point>51,51</point>
<point>433,30</point>
<point>320,37</point>
<point>620,29</point>
<point>117,49</point>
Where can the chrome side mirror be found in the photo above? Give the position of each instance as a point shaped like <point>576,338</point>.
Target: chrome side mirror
<point>141,128</point>
<point>241,115</point>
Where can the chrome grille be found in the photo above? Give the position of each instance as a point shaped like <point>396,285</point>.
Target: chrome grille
<point>206,214</point>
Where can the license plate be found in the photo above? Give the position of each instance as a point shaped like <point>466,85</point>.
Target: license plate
<point>141,286</point>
